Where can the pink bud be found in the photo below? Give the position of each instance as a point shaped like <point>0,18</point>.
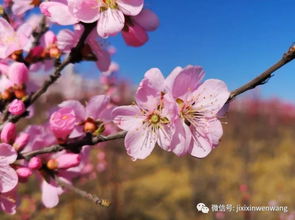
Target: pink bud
<point>21,141</point>
<point>37,51</point>
<point>147,19</point>
<point>68,160</point>
<point>17,107</point>
<point>35,163</point>
<point>62,122</point>
<point>135,35</point>
<point>8,133</point>
<point>18,73</point>
<point>23,173</point>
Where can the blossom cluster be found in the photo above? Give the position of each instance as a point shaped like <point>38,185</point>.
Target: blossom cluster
<point>179,113</point>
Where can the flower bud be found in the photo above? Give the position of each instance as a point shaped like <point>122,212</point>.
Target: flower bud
<point>8,133</point>
<point>90,126</point>
<point>23,173</point>
<point>6,94</point>
<point>68,160</point>
<point>35,163</point>
<point>17,107</point>
<point>134,35</point>
<point>21,141</point>
<point>54,52</point>
<point>18,73</point>
<point>20,93</point>
<point>147,19</point>
<point>52,164</point>
<point>62,122</point>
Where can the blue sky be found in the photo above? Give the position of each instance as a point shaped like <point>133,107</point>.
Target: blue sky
<point>233,40</point>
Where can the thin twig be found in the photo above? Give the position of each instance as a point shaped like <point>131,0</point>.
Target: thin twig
<point>91,197</point>
<point>73,145</point>
<point>263,77</point>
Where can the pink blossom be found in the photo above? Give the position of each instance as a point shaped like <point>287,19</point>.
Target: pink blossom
<point>35,163</point>
<point>11,40</point>
<point>18,73</point>
<point>198,129</point>
<point>58,12</point>
<point>50,193</point>
<point>50,189</point>
<point>23,173</point>
<point>102,55</point>
<point>68,160</point>
<point>135,30</point>
<point>62,122</point>
<point>8,202</point>
<point>96,112</point>
<point>134,35</point>
<point>150,121</point>
<point>21,141</point>
<point>68,39</point>
<point>109,14</point>
<point>8,133</point>
<point>8,176</point>
<point>39,137</point>
<point>17,107</point>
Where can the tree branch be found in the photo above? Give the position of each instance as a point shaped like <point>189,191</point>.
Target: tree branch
<point>263,77</point>
<point>91,197</point>
<point>73,145</point>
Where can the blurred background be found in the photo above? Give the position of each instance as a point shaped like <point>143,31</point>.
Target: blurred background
<point>254,164</point>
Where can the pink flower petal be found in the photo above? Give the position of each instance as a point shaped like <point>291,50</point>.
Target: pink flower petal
<point>58,13</point>
<point>149,91</point>
<point>66,40</point>
<point>110,22</point>
<point>165,134</point>
<point>87,11</point>
<point>210,97</point>
<point>96,105</point>
<point>19,7</point>
<point>50,194</point>
<point>171,78</point>
<point>140,142</point>
<point>200,146</point>
<point>130,7</point>
<point>8,178</point>
<point>77,107</point>
<point>128,117</point>
<point>215,131</point>
<point>187,81</point>
<point>8,202</point>
<point>135,35</point>
<point>147,19</point>
<point>7,154</point>
<point>181,139</point>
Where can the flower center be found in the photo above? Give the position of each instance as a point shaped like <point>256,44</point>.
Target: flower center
<point>187,113</point>
<point>109,4</point>
<point>155,119</point>
<point>65,117</point>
